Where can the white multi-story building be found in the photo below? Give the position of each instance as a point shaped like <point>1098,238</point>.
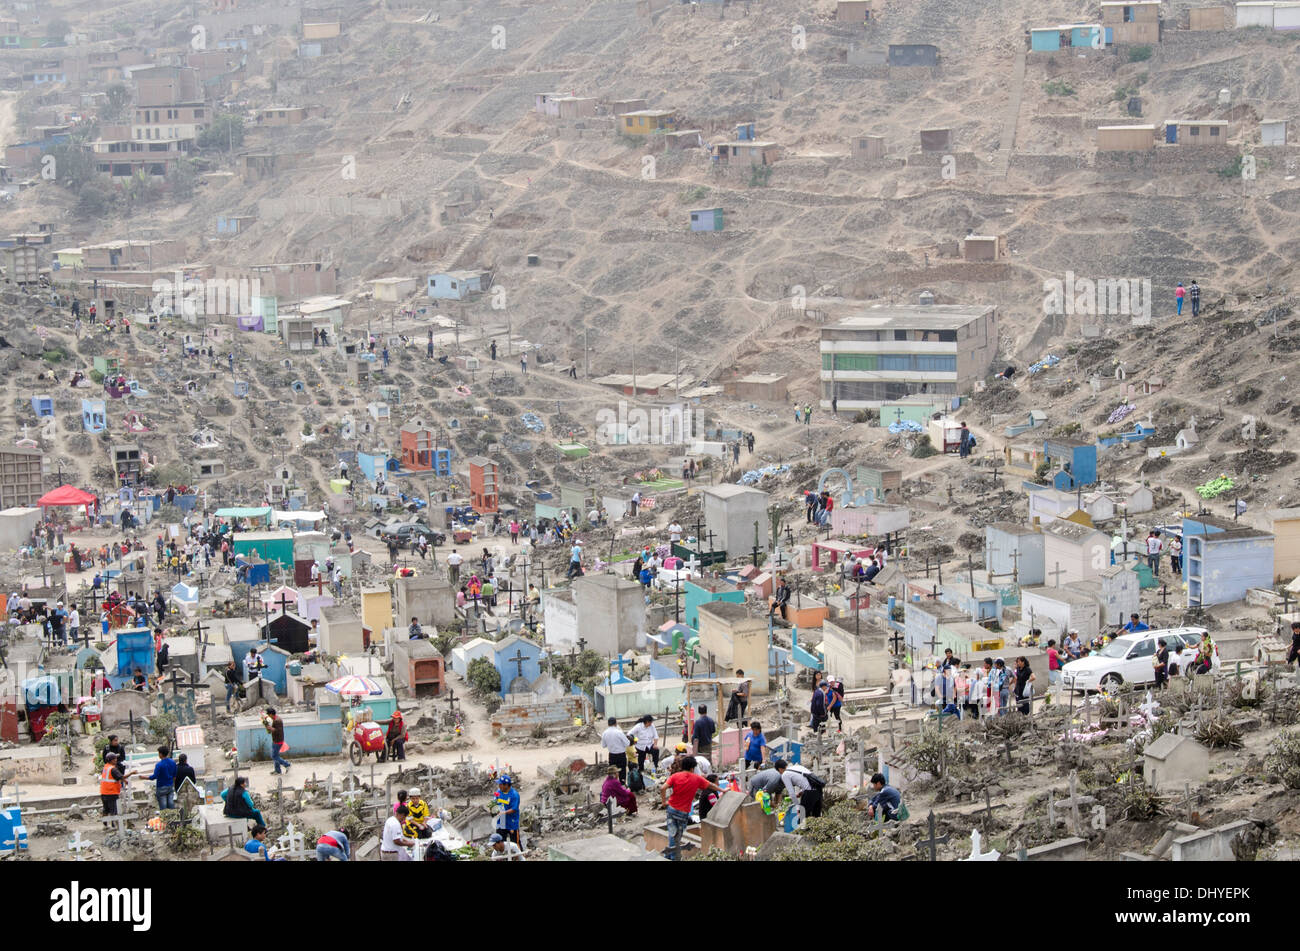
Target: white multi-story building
<point>889,352</point>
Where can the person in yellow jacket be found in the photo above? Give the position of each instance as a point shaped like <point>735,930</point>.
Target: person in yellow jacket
<point>111,780</point>
<point>417,820</point>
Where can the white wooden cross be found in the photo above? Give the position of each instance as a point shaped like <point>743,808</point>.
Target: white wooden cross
<point>120,820</point>
<point>77,845</point>
<point>291,844</point>
<point>438,800</point>
<point>17,803</point>
<point>975,854</point>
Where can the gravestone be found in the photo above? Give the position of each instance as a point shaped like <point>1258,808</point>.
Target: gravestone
<point>121,706</point>
<point>735,823</point>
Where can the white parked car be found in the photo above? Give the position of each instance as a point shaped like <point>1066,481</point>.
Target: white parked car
<point>1128,659</point>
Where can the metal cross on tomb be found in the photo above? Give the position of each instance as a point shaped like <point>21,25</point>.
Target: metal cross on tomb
<point>1056,575</point>
<point>895,639</point>
<point>932,843</point>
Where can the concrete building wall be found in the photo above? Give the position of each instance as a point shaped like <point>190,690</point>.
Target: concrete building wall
<point>736,641</point>
<point>730,512</point>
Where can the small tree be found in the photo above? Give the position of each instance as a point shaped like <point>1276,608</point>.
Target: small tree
<point>226,132</point>
<point>484,679</point>
<point>116,98</point>
<point>182,178</point>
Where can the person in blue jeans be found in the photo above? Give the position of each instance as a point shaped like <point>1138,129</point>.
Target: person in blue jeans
<point>164,776</point>
<point>1001,682</point>
<point>755,746</point>
<point>275,726</point>
<point>333,845</point>
<point>678,792</point>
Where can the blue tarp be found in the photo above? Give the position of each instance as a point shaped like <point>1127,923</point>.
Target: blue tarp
<point>41,692</point>
<point>533,423</point>
<point>1043,364</point>
<point>754,476</point>
<point>906,426</point>
<point>134,649</point>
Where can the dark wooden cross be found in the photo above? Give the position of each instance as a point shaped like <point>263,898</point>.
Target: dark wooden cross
<point>1164,596</point>
<point>518,661</point>
<point>1056,575</point>
<point>1006,747</point>
<point>932,843</point>
<point>988,809</point>
<point>451,701</point>
<point>895,639</point>
<point>284,603</point>
<point>933,642</point>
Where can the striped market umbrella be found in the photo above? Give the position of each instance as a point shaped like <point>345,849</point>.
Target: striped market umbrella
<point>354,686</point>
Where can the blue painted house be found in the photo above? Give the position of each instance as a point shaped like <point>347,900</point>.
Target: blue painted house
<point>516,658</point>
<point>1136,434</point>
<point>1074,462</point>
<point>94,418</point>
<point>454,285</point>
<point>704,592</point>
<point>317,732</point>
<point>1222,559</point>
<point>1047,39</point>
<point>706,219</point>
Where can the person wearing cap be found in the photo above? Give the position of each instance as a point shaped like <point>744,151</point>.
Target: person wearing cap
<point>647,741</point>
<point>505,850</point>
<point>613,788</point>
<point>111,780</point>
<point>396,736</point>
<point>417,824</point>
<point>616,741</point>
<point>508,800</point>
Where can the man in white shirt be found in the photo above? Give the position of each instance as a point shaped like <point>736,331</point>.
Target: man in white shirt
<point>74,624</point>
<point>674,532</point>
<point>636,502</point>
<point>594,516</point>
<point>647,741</point>
<point>454,561</point>
<point>1154,546</point>
<point>616,741</point>
<point>390,849</point>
